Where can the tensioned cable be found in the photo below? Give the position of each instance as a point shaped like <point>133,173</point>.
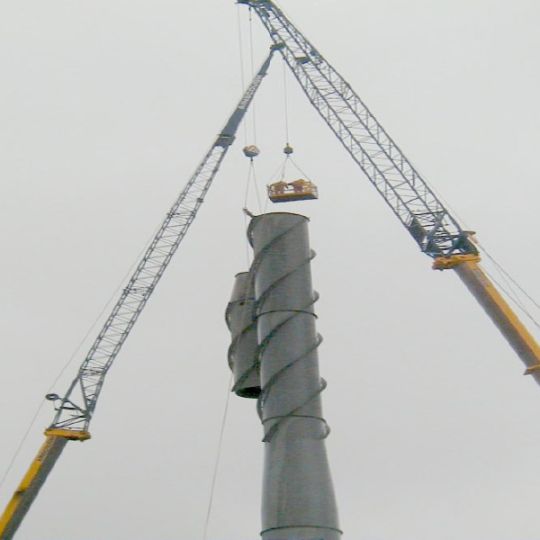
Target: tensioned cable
<point>246,196</point>
<point>253,105</point>
<point>298,167</point>
<point>242,73</point>
<point>499,267</point>
<point>256,186</point>
<point>19,447</point>
<point>509,276</point>
<point>278,173</point>
<point>252,179</point>
<point>221,434</point>
<point>70,361</point>
<point>513,300</point>
<point>218,458</point>
<point>286,101</point>
<point>510,287</point>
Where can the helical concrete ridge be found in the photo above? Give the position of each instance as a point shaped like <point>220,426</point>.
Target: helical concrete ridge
<point>243,351</point>
<point>298,496</point>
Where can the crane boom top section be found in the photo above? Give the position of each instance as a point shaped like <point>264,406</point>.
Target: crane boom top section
<point>414,203</point>
<point>76,408</point>
<point>403,189</point>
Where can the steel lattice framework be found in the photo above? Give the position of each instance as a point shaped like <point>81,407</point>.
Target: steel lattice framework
<point>76,412</point>
<point>410,198</point>
<point>77,406</point>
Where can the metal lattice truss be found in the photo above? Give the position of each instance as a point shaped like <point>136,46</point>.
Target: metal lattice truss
<point>77,406</point>
<point>77,410</point>
<point>410,198</point>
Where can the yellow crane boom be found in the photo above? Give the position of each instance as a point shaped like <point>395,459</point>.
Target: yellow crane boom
<point>33,480</point>
<point>467,267</point>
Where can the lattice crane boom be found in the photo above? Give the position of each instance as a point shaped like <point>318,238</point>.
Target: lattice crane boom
<point>365,139</point>
<point>414,203</point>
<point>73,414</point>
<point>77,406</point>
<point>410,198</point>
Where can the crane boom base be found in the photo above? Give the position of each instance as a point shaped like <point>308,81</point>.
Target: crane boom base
<point>497,308</point>
<point>35,477</point>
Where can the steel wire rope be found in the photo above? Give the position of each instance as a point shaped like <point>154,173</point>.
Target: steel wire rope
<point>256,186</point>
<point>509,276</point>
<point>252,60</point>
<point>230,389</point>
<point>246,196</point>
<point>242,72</point>
<point>277,174</point>
<point>510,286</point>
<point>252,179</point>
<point>285,101</point>
<point>300,169</point>
<point>513,300</point>
<point>502,271</point>
<point>218,458</point>
<point>69,362</point>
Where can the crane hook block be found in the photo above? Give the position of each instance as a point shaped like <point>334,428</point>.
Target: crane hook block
<point>299,190</point>
<point>251,151</point>
<point>288,150</point>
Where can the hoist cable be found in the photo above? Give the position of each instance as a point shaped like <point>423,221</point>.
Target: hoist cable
<point>506,275</point>
<point>252,179</point>
<point>218,458</point>
<point>278,171</point>
<point>256,186</point>
<point>509,276</point>
<point>513,300</point>
<point>286,102</point>
<point>510,287</point>
<point>248,182</point>
<point>509,279</point>
<point>242,72</point>
<point>230,388</point>
<point>67,364</point>
<point>21,443</point>
<point>246,198</point>
<point>284,168</point>
<point>298,167</point>
<point>252,59</point>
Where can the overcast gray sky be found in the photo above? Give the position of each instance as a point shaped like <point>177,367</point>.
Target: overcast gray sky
<point>107,106</point>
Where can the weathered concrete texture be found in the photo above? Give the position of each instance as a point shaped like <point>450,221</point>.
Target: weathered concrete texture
<point>298,496</point>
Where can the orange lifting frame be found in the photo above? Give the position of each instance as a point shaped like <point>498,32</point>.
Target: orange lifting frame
<point>299,190</point>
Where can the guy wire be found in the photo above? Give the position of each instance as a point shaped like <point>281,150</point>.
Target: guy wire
<point>242,73</point>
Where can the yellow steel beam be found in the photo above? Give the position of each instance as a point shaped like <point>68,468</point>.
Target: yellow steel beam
<point>34,478</point>
<point>497,308</point>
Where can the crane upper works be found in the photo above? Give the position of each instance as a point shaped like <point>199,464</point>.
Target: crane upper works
<point>437,233</point>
